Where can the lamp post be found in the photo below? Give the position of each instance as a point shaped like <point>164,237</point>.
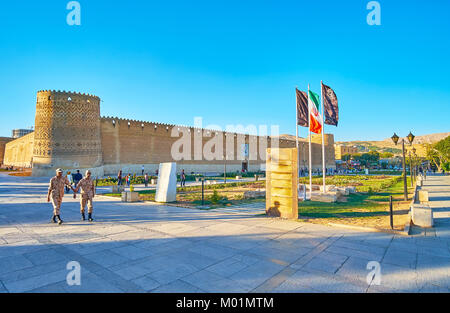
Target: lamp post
<point>415,162</point>
<point>395,139</point>
<point>411,175</point>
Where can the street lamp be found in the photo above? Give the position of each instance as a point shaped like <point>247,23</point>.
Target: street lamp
<point>395,139</point>
<point>415,162</point>
<point>411,169</point>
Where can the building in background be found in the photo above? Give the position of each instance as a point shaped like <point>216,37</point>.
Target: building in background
<point>17,133</point>
<point>341,150</point>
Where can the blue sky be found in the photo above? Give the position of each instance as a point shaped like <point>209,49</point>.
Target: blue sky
<point>233,62</point>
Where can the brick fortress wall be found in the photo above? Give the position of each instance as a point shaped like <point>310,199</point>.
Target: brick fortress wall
<point>3,142</point>
<point>70,134</point>
<point>67,131</point>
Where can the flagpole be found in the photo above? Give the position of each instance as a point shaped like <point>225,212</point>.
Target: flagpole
<point>323,138</point>
<point>310,154</point>
<point>296,133</point>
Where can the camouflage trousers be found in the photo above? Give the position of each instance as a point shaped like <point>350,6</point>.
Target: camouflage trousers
<point>85,199</point>
<point>56,201</point>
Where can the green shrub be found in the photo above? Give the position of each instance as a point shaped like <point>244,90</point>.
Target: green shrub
<point>215,198</point>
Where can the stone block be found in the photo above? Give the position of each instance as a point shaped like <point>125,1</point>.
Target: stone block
<point>422,215</point>
<point>423,196</point>
<point>314,187</point>
<point>351,189</point>
<point>344,191</point>
<point>153,181</point>
<point>166,189</point>
<point>124,196</point>
<point>132,196</point>
<point>281,183</point>
<point>327,188</point>
<point>254,194</point>
<point>117,189</point>
<point>324,197</point>
<point>238,177</point>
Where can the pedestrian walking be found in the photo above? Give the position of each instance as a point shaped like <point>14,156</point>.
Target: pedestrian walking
<point>119,178</point>
<point>143,169</point>
<point>128,179</point>
<point>56,194</point>
<point>87,195</point>
<point>183,178</point>
<point>146,180</point>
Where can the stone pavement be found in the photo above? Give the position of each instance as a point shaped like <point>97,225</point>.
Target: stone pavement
<point>141,247</point>
<point>256,208</point>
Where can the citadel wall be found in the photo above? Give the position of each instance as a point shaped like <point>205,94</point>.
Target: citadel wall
<point>19,152</point>
<point>67,132</point>
<point>70,134</point>
<point>3,142</point>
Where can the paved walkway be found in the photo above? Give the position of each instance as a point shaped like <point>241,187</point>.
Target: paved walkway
<point>141,247</point>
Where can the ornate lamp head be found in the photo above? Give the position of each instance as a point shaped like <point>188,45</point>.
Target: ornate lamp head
<point>411,138</point>
<point>395,138</point>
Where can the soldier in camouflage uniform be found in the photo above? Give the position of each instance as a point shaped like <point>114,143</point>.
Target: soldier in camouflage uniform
<point>56,191</point>
<point>87,195</point>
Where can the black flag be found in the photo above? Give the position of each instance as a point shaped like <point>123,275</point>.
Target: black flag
<point>302,108</point>
<point>330,106</point>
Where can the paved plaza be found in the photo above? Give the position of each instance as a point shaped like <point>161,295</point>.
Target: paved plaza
<point>144,247</point>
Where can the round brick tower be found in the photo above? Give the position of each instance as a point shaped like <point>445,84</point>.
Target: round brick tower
<point>67,132</point>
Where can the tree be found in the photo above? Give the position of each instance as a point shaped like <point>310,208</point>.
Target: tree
<point>439,153</point>
<point>446,166</point>
<point>370,157</point>
<point>346,157</point>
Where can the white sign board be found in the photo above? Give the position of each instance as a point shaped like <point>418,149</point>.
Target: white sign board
<point>166,188</point>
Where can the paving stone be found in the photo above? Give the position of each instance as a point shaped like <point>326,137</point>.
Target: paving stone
<point>302,279</point>
<point>132,252</point>
<point>227,267</point>
<point>211,282</point>
<point>44,256</point>
<point>106,258</point>
<point>326,262</point>
<point>400,258</point>
<point>36,281</point>
<point>178,286</point>
<point>146,283</point>
<point>13,263</point>
<point>399,278</point>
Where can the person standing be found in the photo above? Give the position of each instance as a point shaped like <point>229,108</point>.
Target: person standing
<point>77,177</point>
<point>146,180</point>
<point>143,169</point>
<point>70,178</point>
<point>183,178</point>
<point>87,195</point>
<point>128,179</point>
<point>119,178</point>
<point>56,194</point>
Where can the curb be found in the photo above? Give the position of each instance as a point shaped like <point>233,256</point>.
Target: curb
<point>404,232</point>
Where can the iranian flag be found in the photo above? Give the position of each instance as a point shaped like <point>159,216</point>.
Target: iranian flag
<point>315,124</point>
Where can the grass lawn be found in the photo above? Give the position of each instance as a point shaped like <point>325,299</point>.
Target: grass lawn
<point>369,207</point>
<point>217,195</point>
<point>361,209</point>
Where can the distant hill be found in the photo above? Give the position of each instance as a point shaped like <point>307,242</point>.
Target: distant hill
<point>387,145</point>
